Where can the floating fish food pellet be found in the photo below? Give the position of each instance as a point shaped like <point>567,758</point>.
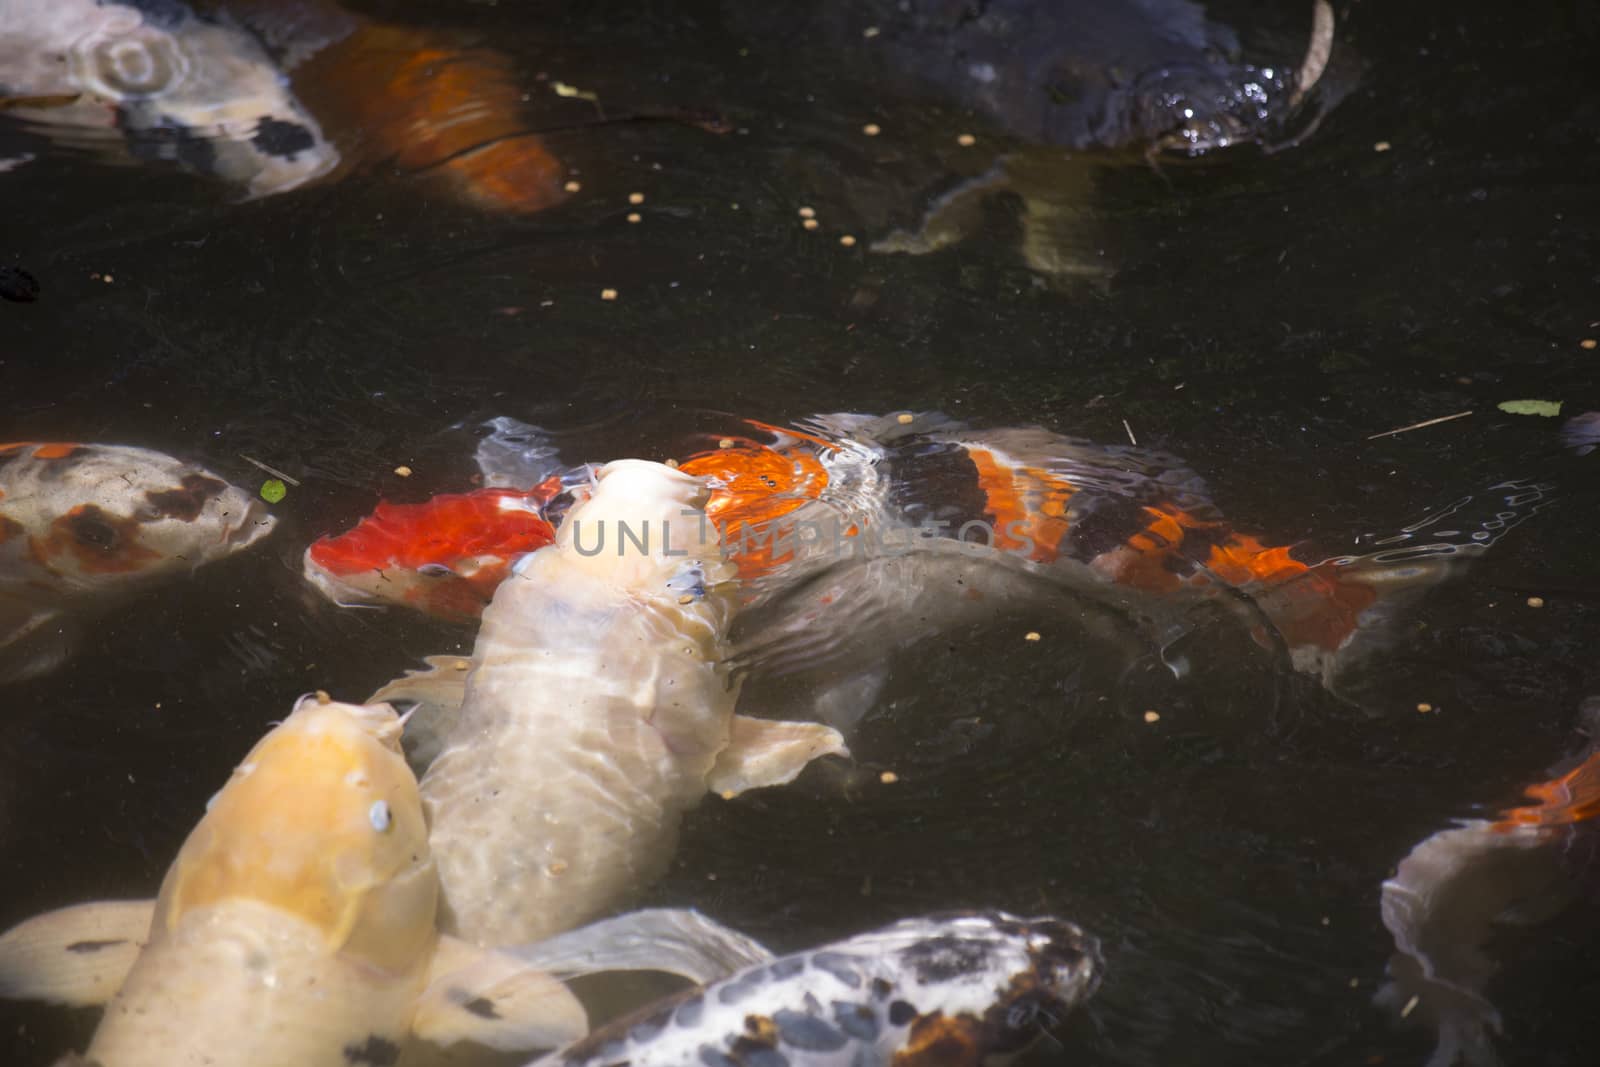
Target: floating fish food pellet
<point>1589,343</point>
<point>1382,146</point>
<point>403,471</point>
<point>810,224</point>
<point>726,442</point>
<point>1423,709</point>
<point>1031,635</point>
<point>966,140</point>
<point>848,241</point>
<point>573,187</point>
<point>1536,602</point>
<point>1152,716</point>
<point>888,778</point>
<point>872,129</point>
<point>905,418</point>
<point>635,198</point>
<point>808,212</point>
<point>608,294</point>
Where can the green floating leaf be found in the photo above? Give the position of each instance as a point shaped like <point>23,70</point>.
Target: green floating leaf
<point>1547,408</point>
<point>272,491</point>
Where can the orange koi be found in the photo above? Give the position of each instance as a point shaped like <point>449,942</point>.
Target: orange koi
<point>404,95</point>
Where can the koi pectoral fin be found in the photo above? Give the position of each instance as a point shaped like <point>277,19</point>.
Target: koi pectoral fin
<point>435,694</point>
<point>762,753</point>
<point>34,642</point>
<point>495,1000</point>
<point>678,941</point>
<point>76,956</point>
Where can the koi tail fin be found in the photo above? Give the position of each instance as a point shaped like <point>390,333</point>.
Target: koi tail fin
<point>1332,615</point>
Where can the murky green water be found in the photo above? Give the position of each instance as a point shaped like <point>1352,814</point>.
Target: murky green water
<point>1262,316</point>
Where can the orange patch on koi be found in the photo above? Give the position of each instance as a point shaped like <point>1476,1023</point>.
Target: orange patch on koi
<point>753,487</point>
<point>458,110</point>
<point>1572,798</point>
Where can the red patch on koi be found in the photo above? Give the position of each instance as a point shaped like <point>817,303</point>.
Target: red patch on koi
<point>482,533</point>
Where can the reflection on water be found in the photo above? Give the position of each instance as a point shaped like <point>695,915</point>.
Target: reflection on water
<point>1225,831</point>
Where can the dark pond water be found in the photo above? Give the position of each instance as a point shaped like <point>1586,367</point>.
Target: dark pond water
<point>1261,315</point>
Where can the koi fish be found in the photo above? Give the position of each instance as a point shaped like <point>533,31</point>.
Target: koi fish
<point>594,711</point>
<point>911,520</point>
<point>413,99</point>
<point>270,96</point>
<point>445,557</point>
<point>296,928</point>
<point>954,991</point>
<point>83,527</point>
<point>160,82</point>
<point>1452,890</point>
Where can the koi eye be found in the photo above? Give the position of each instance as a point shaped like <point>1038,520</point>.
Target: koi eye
<point>378,816</point>
<point>434,570</point>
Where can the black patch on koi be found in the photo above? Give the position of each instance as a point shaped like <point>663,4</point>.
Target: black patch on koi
<point>840,966</point>
<point>690,1012</point>
<point>808,1032</point>
<point>167,139</point>
<point>1101,524</point>
<point>376,1051</point>
<point>185,504</point>
<point>165,13</point>
<point>482,1007</point>
<point>92,527</point>
<point>95,946</point>
<point>937,482</point>
<point>740,988</point>
<point>712,1056</point>
<point>857,1020</point>
<point>283,139</point>
<point>787,967</point>
<point>881,988</point>
<point>939,959</point>
<point>901,1013</point>
<point>18,286</point>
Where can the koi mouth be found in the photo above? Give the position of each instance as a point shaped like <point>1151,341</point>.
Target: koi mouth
<point>256,524</point>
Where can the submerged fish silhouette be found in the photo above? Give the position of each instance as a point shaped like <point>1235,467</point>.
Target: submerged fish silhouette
<point>83,527</point>
<point>296,928</point>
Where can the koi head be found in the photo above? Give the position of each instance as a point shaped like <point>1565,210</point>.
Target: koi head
<point>94,517</point>
<point>176,86</point>
<point>445,556</point>
<point>644,527</point>
<point>323,821</point>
